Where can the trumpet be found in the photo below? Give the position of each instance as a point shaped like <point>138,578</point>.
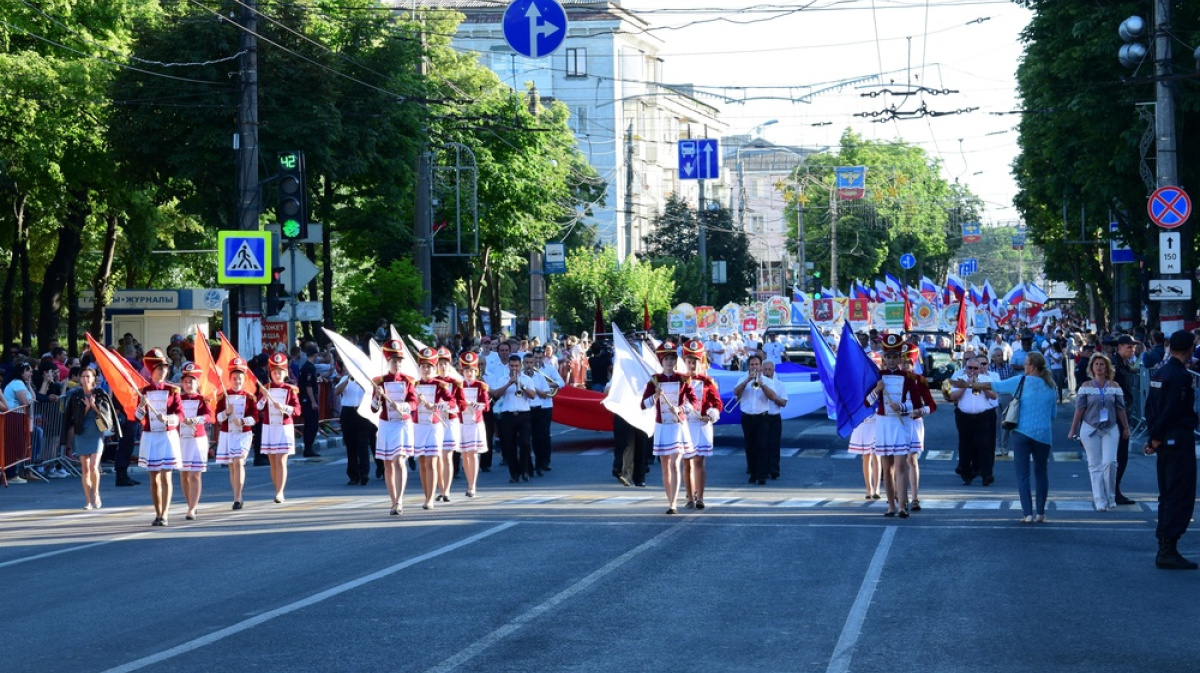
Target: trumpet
<point>554,384</point>
<point>516,383</point>
<point>757,383</point>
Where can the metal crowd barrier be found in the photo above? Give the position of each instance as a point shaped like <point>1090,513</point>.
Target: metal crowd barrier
<point>15,445</point>
<point>49,452</point>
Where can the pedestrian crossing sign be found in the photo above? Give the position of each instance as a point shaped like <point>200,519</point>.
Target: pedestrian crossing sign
<point>244,257</point>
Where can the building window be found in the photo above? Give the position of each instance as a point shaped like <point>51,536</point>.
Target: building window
<point>756,224</point>
<point>576,62</point>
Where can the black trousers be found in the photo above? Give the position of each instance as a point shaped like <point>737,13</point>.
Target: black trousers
<point>489,431</point>
<point>631,451</point>
<point>754,430</point>
<point>976,443</point>
<point>358,451</point>
<point>1122,459</point>
<point>124,455</point>
<point>774,430</point>
<point>515,442</point>
<point>1176,485</point>
<point>311,421</point>
<point>540,418</point>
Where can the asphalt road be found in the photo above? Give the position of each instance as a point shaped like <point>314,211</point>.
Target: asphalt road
<point>574,572</point>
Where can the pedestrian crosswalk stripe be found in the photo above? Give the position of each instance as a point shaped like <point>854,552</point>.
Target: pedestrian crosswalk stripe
<point>535,500</point>
<point>843,455</point>
<point>814,453</point>
<point>799,502</point>
<point>788,453</point>
<point>621,500</point>
<point>980,504</point>
<point>939,504</point>
<point>596,452</point>
<point>939,455</point>
<point>354,504</point>
<point>1073,506</point>
<point>1063,456</point>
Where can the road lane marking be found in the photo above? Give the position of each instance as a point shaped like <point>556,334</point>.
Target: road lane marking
<point>479,646</point>
<point>67,550</point>
<point>844,650</point>
<point>247,624</point>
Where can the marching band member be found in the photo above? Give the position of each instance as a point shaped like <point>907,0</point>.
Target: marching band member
<point>451,436</point>
<point>893,399</point>
<point>433,405</point>
<point>193,437</point>
<point>513,395</point>
<point>541,412</point>
<point>754,397</point>
<point>774,425</point>
<point>237,415</point>
<point>672,399</point>
<point>159,414</point>
<point>394,398</point>
<point>281,402</point>
<point>474,431</point>
<point>862,439</point>
<point>700,421</point>
<point>912,353</point>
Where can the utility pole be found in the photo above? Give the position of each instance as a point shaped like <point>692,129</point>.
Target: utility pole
<point>1172,317</point>
<point>833,215</point>
<point>800,246</point>
<point>702,248</point>
<point>423,212</point>
<point>537,266</point>
<point>248,330</point>
<point>628,233</point>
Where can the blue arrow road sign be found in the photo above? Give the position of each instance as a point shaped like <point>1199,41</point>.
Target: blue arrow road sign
<point>907,261</point>
<point>699,159</point>
<point>535,28</point>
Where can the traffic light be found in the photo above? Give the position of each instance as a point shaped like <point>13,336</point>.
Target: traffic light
<point>276,298</point>
<point>292,208</point>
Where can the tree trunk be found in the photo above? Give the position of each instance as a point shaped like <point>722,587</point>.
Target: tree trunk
<point>475,295</point>
<point>102,282</point>
<point>70,242</point>
<point>494,317</point>
<point>72,314</point>
<point>8,330</point>
<point>26,292</point>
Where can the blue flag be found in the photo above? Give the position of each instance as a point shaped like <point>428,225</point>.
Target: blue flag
<point>825,368</point>
<point>854,376</point>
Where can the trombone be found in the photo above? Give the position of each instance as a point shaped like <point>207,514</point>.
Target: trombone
<point>553,384</point>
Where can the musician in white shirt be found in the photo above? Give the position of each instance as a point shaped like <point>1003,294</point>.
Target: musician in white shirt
<point>774,427</point>
<point>754,398</point>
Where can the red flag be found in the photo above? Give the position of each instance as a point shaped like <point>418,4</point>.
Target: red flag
<point>228,353</point>
<point>126,384</point>
<point>645,316</point>
<point>960,331</point>
<point>210,382</point>
<point>908,321</point>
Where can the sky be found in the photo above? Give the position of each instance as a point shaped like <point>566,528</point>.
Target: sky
<point>789,48</point>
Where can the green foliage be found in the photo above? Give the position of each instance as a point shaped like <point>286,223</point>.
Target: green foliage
<point>674,242</point>
<point>621,290</point>
<point>1080,134</point>
<point>998,262</point>
<point>392,292</point>
<point>908,207</point>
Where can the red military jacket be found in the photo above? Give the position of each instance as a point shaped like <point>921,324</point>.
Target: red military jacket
<point>458,401</point>
<point>202,412</point>
<point>686,394</point>
<point>387,411</point>
<point>293,401</point>
<point>706,391</point>
<point>482,397</point>
<point>174,407</point>
<point>249,417</point>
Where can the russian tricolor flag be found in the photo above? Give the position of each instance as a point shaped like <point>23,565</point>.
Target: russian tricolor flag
<point>1014,296</point>
<point>955,284</point>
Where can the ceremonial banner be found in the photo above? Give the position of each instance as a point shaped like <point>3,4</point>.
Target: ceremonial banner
<point>851,182</point>
<point>706,320</point>
<point>823,310</point>
<point>778,312</point>
<point>682,320</point>
<point>926,316</point>
<point>972,232</point>
<point>752,317</point>
<point>858,311</point>
<point>893,316</point>
<point>730,319</point>
<point>749,324</point>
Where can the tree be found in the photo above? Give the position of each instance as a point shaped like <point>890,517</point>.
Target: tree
<point>620,288</point>
<point>1078,167</point>
<point>907,208</point>
<point>674,241</point>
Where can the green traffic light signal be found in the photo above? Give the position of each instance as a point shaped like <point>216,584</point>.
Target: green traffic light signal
<point>291,229</point>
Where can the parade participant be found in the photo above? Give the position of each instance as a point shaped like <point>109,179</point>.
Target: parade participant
<point>452,434</point>
<point>975,419</point>
<point>862,438</point>
<point>893,399</point>
<point>394,397</point>
<point>541,412</point>
<point>754,398</point>
<point>433,405</point>
<point>193,437</point>
<point>700,421</point>
<point>159,414</point>
<point>89,414</point>
<point>774,426</point>
<point>773,350</point>
<point>672,399</point>
<point>355,432</point>
<point>911,356</point>
<point>474,440</point>
<point>512,395</point>
<point>1124,373</point>
<point>281,403</point>
<point>1099,422</point>
<point>1171,424</point>
<point>237,415</point>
